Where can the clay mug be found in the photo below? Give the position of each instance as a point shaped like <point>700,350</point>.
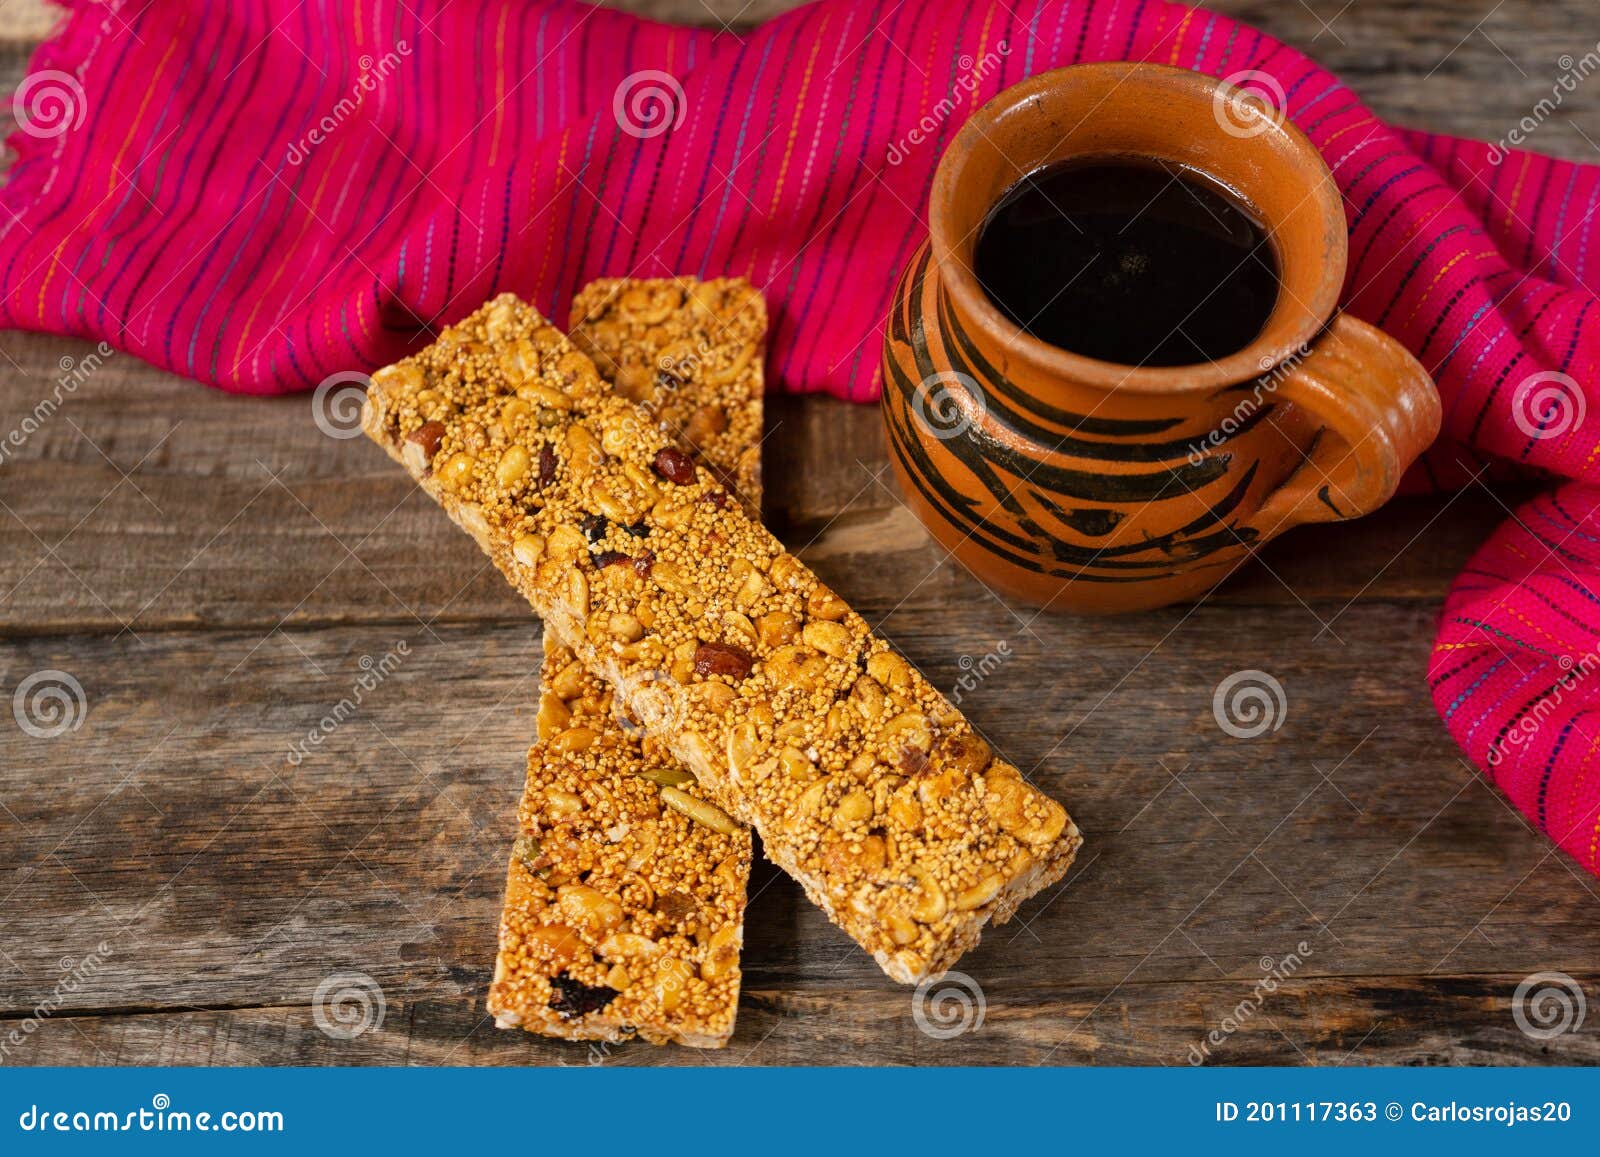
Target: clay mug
<point>1085,485</point>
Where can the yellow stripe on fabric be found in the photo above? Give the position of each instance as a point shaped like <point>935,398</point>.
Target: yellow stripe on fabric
<point>561,167</point>
<point>499,86</point>
<point>1177,42</point>
<point>799,111</point>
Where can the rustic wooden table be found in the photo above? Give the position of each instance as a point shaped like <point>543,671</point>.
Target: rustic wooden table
<point>217,575</point>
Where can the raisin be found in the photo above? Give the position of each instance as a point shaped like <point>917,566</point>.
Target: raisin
<point>612,558</point>
<point>638,529</point>
<point>674,465</point>
<point>722,659</point>
<point>574,998</point>
<point>913,761</point>
<point>594,528</point>
<point>547,465</point>
<point>675,907</point>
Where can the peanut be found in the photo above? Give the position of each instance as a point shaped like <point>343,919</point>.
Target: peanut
<point>584,454</point>
<point>890,670</point>
<point>796,765</point>
<point>929,905</point>
<point>980,893</point>
<point>555,943</point>
<point>457,470</point>
<point>722,375</point>
<point>822,603</point>
<point>777,628</point>
<point>547,396</point>
<point>402,376</point>
<point>513,467</point>
<point>568,681</point>
<point>577,594</point>
<point>589,909</point>
<point>672,977</point>
<point>527,549</point>
<point>829,638</point>
<point>628,946</point>
<point>574,739</point>
<point>553,718</point>
<point>562,803</point>
<point>626,628</point>
<point>744,745</point>
<point>722,954</point>
<point>853,809</point>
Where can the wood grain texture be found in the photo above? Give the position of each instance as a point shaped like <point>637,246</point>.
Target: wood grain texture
<point>213,570</point>
<point>1457,1020</point>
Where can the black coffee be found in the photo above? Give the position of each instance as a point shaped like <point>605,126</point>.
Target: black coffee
<point>1128,261</point>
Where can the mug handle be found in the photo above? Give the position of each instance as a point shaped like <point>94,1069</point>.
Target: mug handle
<point>1380,411</point>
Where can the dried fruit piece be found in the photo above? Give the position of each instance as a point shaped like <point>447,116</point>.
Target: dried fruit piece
<point>673,465</point>
<point>569,997</point>
<point>547,465</point>
<point>722,659</point>
<point>676,907</point>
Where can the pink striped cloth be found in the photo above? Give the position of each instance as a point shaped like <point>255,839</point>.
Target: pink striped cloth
<point>265,193</point>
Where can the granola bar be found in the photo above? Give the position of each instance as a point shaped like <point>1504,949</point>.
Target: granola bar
<point>865,784</point>
<point>625,894</point>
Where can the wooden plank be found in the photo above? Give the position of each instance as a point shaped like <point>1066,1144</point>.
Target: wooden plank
<point>175,826</point>
<point>26,21</point>
<point>1396,1020</point>
<point>145,503</point>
